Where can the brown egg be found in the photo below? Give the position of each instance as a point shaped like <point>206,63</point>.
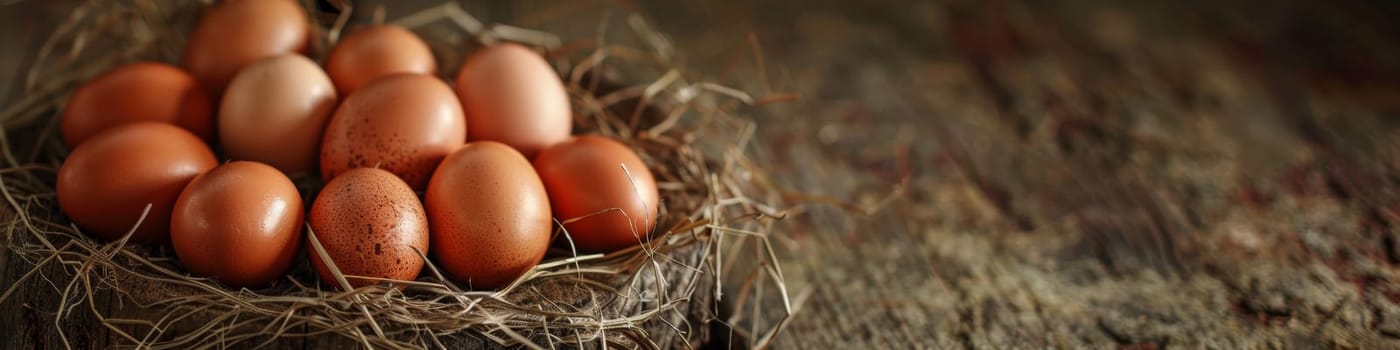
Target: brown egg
<point>240,223</point>
<point>234,34</point>
<point>143,91</point>
<point>512,96</point>
<point>108,180</point>
<point>489,215</point>
<point>275,111</point>
<point>405,123</point>
<point>377,51</point>
<point>585,176</point>
<point>369,223</point>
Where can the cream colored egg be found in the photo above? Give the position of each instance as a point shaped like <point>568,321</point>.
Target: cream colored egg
<point>274,112</point>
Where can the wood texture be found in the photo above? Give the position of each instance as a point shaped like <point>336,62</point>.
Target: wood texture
<point>1072,174</point>
<point>1090,174</point>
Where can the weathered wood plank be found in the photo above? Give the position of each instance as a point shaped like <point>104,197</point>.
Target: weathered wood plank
<point>1086,174</point>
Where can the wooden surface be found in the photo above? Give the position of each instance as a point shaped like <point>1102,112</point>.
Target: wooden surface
<point>1070,174</point>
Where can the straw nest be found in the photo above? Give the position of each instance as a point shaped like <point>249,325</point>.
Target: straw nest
<point>712,237</point>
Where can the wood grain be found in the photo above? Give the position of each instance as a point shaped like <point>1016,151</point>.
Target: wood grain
<point>1090,174</point>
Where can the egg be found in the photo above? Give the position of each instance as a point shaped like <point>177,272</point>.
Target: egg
<point>109,179</point>
<point>275,111</point>
<point>373,52</point>
<point>511,95</point>
<point>369,222</point>
<point>142,91</point>
<point>239,223</point>
<point>489,215</point>
<point>405,123</point>
<point>602,192</point>
<point>234,34</point>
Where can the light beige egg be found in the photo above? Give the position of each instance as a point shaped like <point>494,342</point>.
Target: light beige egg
<point>275,112</point>
<point>511,95</point>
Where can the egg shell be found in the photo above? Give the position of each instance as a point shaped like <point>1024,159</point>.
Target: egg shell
<point>240,223</point>
<point>374,52</point>
<point>275,112</point>
<point>109,179</point>
<point>142,91</point>
<point>595,185</point>
<point>511,95</point>
<point>404,123</point>
<point>489,215</point>
<point>234,34</point>
<point>369,222</point>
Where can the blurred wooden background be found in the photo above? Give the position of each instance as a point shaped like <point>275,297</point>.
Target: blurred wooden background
<point>1078,173</point>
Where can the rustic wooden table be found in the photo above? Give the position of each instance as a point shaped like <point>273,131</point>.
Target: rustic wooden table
<point>1025,174</point>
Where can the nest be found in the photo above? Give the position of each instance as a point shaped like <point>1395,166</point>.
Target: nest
<point>712,237</point>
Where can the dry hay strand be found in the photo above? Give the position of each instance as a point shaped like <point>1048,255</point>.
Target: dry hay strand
<point>715,212</point>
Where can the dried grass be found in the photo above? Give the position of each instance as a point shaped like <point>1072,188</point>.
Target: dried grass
<point>687,131</point>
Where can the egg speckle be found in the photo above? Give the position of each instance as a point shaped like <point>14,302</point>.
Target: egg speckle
<point>404,124</point>
<point>369,222</point>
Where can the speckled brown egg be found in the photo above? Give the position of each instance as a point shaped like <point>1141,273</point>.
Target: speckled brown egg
<point>239,223</point>
<point>489,214</point>
<point>404,123</point>
<point>234,34</point>
<point>512,96</point>
<point>109,179</point>
<point>142,91</point>
<point>602,192</point>
<point>369,222</point>
<point>275,111</point>
<point>373,52</point>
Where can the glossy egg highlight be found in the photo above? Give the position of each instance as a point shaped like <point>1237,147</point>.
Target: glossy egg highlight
<point>489,215</point>
<point>108,180</point>
<point>602,192</point>
<point>234,34</point>
<point>240,223</point>
<point>374,52</point>
<point>275,112</point>
<point>511,95</point>
<point>142,91</point>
